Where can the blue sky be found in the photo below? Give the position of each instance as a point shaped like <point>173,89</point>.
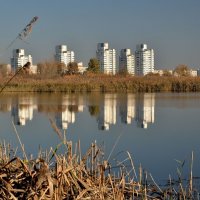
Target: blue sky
<point>171,28</point>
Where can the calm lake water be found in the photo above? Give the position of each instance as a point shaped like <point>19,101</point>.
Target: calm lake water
<point>157,129</point>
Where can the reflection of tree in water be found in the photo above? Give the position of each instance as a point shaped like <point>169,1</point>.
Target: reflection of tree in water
<point>94,110</point>
<point>51,108</point>
<point>73,108</point>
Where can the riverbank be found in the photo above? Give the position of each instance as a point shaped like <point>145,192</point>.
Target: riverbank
<point>101,83</point>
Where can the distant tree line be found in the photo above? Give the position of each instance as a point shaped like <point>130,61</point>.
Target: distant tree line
<point>54,68</point>
<point>50,69</point>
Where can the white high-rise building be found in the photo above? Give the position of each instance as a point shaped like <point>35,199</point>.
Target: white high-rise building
<point>126,61</point>
<point>106,58</point>
<point>19,59</point>
<point>63,55</point>
<point>144,60</point>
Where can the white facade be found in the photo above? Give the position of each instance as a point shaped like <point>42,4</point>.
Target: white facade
<point>81,68</point>
<point>162,71</point>
<point>144,60</point>
<point>127,61</point>
<point>193,73</point>
<point>63,55</point>
<point>106,58</point>
<point>34,69</point>
<point>19,59</point>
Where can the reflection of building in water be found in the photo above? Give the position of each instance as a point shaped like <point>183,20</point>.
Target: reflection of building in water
<point>80,104</point>
<point>145,110</point>
<point>70,105</point>
<point>74,102</point>
<point>65,117</point>
<point>23,110</point>
<point>127,109</point>
<point>107,115</point>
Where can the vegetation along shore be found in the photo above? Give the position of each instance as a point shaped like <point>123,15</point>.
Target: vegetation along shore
<point>100,83</point>
<point>90,176</point>
<point>56,77</point>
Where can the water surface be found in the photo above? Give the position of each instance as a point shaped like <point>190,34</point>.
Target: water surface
<point>157,129</point>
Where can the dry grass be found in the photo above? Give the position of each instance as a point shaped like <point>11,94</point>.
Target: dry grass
<point>102,83</point>
<point>73,176</point>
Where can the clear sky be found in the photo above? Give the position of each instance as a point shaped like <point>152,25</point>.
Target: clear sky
<point>170,27</point>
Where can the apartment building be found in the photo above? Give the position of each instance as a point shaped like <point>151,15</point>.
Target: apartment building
<point>106,58</point>
<point>127,61</point>
<point>19,59</point>
<point>63,55</point>
<point>144,60</point>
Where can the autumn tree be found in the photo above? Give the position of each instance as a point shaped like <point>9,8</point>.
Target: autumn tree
<point>61,67</point>
<point>182,70</point>
<point>72,68</point>
<point>166,73</point>
<point>93,65</point>
<point>48,68</point>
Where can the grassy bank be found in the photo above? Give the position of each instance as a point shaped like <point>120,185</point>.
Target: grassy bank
<point>102,83</point>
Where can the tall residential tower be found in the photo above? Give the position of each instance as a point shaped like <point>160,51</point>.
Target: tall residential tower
<point>144,59</point>
<point>63,55</point>
<point>19,59</point>
<point>126,61</point>
<point>106,58</point>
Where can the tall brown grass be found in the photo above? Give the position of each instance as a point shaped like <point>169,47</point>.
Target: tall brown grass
<point>102,83</point>
<point>90,176</point>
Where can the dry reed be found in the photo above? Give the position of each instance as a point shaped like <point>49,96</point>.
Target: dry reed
<point>73,176</point>
<point>102,83</point>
